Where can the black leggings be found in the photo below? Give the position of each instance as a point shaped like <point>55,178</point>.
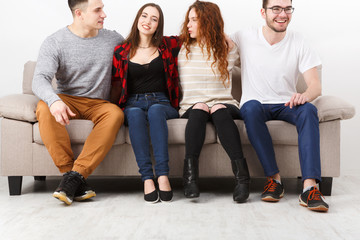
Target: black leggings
<point>228,133</point>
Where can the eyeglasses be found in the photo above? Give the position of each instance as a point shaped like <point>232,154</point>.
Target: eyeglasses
<point>278,10</point>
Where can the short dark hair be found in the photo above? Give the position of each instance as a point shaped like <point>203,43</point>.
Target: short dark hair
<point>74,3</point>
<point>265,3</point>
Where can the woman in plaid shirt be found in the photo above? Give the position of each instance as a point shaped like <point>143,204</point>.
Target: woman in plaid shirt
<point>145,84</point>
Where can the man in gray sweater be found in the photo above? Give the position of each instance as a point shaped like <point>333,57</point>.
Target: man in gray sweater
<point>80,57</point>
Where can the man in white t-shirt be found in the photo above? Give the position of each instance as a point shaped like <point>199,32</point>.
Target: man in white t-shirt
<point>272,59</point>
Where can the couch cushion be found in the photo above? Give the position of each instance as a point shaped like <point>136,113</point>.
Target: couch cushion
<point>177,132</point>
<point>176,129</point>
<point>333,108</point>
<point>78,131</point>
<point>28,75</point>
<point>19,106</point>
<point>281,132</point>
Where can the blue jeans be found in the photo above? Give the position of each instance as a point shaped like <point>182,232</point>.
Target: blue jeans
<point>304,117</point>
<point>146,113</point>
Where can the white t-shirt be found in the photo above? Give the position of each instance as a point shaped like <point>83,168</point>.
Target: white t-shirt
<point>269,73</point>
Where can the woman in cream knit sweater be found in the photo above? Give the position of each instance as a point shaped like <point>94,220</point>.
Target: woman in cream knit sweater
<point>205,62</point>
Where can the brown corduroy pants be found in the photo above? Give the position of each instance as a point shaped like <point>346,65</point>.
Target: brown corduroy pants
<point>107,119</point>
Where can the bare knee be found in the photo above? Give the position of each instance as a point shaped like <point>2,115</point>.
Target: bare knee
<point>217,107</point>
<point>201,106</point>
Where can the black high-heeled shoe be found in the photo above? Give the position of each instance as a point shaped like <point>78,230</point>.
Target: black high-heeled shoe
<point>152,197</point>
<point>166,196</point>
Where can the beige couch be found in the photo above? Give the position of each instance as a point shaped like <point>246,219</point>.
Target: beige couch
<point>23,152</point>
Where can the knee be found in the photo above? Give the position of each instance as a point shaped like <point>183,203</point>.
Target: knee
<point>201,106</point>
<point>156,112</point>
<point>308,110</point>
<point>42,111</point>
<point>134,113</point>
<point>217,107</point>
<point>119,114</point>
<point>156,109</point>
<point>251,108</point>
<point>115,114</point>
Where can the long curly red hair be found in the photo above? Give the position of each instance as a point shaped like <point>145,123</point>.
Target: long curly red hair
<point>210,35</point>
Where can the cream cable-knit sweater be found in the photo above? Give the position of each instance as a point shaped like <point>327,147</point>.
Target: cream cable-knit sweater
<point>201,83</point>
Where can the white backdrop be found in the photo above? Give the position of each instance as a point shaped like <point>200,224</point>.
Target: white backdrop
<point>330,26</point>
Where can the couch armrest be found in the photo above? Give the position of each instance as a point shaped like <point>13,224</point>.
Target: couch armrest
<point>19,106</point>
<point>333,108</point>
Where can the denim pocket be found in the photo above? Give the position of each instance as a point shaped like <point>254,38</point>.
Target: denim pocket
<point>164,101</point>
<point>130,103</point>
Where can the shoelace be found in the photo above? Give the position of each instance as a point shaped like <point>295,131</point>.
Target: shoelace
<point>315,194</point>
<point>72,181</point>
<point>271,186</point>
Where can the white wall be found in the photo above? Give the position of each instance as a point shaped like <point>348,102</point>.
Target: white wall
<point>329,25</point>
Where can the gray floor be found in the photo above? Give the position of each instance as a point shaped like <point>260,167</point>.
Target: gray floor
<point>119,212</point>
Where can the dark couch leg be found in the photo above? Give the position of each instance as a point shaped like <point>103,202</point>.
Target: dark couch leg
<point>15,185</point>
<point>326,185</point>
<point>39,178</point>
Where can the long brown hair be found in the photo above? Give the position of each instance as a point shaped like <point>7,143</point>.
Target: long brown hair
<point>134,37</point>
<point>210,34</point>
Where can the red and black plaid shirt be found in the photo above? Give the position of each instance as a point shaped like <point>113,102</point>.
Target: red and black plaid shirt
<point>169,50</point>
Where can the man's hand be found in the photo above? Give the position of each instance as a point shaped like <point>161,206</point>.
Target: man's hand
<point>61,112</point>
<point>297,99</point>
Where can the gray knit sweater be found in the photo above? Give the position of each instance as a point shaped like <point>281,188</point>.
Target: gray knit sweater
<point>82,66</point>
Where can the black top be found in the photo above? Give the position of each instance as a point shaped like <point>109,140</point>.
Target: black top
<point>146,78</point>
